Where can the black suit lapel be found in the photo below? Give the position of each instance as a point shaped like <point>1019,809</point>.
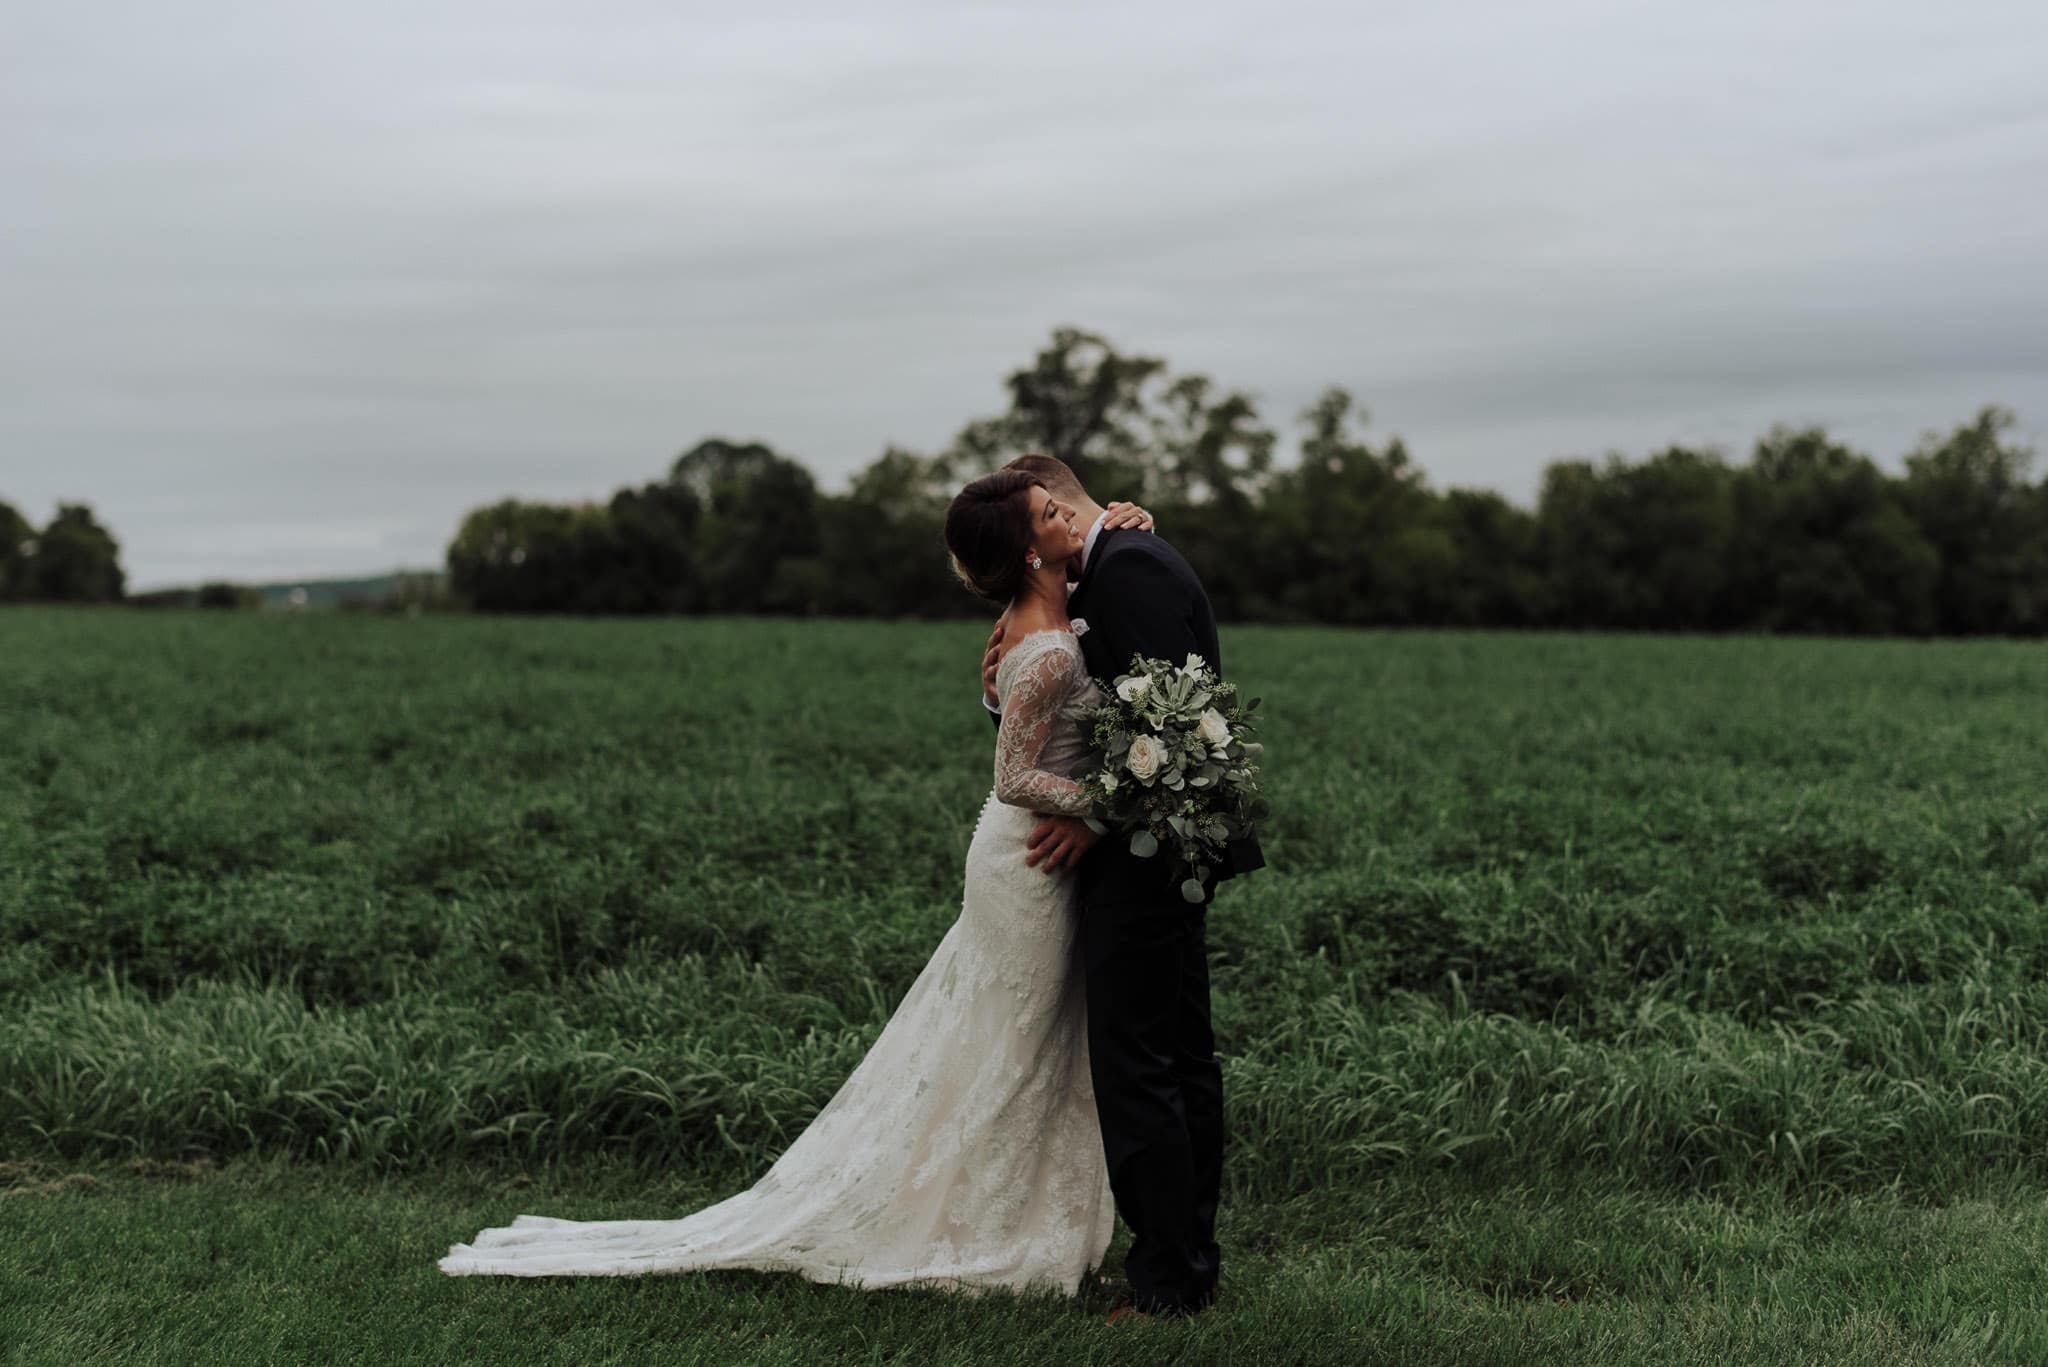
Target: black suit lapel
<point>1091,645</point>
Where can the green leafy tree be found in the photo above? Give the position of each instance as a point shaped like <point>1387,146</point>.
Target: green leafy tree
<point>1496,577</point>
<point>1080,400</point>
<point>1639,545</point>
<point>1356,535</point>
<point>1207,449</point>
<point>760,538</point>
<point>1825,546</point>
<point>1808,536</point>
<point>1211,461</point>
<point>75,560</point>
<point>2031,610</point>
<point>884,542</point>
<point>1579,547</point>
<point>1967,493</point>
<point>222,593</point>
<point>1681,519</point>
<point>484,556</point>
<point>648,562</point>
<point>16,534</point>
<point>526,557</point>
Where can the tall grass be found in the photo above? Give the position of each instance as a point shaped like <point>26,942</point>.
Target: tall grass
<point>1688,914</point>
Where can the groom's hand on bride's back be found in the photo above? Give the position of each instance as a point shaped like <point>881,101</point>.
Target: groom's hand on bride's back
<point>989,658</point>
<point>1058,843</point>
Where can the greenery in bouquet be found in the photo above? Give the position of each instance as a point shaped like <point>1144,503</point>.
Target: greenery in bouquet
<point>1176,770</point>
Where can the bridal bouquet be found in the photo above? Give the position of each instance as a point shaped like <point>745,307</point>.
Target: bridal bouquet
<point>1175,766</point>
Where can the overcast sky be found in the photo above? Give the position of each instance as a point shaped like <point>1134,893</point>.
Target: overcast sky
<point>289,288</point>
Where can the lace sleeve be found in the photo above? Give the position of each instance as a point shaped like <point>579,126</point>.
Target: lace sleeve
<point>1030,710</point>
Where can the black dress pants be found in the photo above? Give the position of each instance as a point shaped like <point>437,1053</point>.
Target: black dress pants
<point>1158,1091</point>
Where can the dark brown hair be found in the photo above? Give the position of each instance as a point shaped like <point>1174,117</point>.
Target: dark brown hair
<point>1055,474</point>
<point>988,529</point>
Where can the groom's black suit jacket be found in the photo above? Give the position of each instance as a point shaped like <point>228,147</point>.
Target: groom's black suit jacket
<point>1139,596</point>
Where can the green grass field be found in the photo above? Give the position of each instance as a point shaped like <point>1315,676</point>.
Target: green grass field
<point>1618,999</point>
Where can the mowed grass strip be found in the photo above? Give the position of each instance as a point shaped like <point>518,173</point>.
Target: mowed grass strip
<point>267,1261</point>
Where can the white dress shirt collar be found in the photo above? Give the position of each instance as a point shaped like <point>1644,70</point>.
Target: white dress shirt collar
<point>1088,546</point>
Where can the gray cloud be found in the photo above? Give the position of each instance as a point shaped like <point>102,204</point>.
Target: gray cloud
<point>291,288</point>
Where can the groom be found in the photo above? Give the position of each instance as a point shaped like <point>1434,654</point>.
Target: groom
<point>1158,1089</point>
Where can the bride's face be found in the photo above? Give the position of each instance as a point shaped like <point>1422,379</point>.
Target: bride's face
<point>1054,535</point>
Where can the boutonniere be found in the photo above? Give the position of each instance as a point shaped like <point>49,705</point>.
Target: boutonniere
<point>1080,626</point>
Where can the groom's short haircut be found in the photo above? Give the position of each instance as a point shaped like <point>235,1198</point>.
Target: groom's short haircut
<point>1055,474</point>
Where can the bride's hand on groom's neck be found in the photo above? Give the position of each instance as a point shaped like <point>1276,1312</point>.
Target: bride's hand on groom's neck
<point>1126,515</point>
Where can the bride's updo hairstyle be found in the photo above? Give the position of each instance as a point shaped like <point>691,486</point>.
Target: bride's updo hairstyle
<point>988,531</point>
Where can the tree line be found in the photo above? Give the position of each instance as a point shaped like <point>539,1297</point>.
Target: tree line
<point>72,560</point>
<point>1805,535</point>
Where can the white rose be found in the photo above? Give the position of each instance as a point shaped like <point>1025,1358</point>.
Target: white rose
<point>1134,688</point>
<point>1146,757</point>
<point>1214,729</point>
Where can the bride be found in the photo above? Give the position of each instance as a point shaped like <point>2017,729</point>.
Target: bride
<point>964,1150</point>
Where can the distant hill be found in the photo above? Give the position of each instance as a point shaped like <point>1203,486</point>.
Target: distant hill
<point>332,593</point>
<point>311,594</point>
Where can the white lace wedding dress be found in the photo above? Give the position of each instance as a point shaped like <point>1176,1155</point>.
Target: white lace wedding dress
<point>963,1151</point>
